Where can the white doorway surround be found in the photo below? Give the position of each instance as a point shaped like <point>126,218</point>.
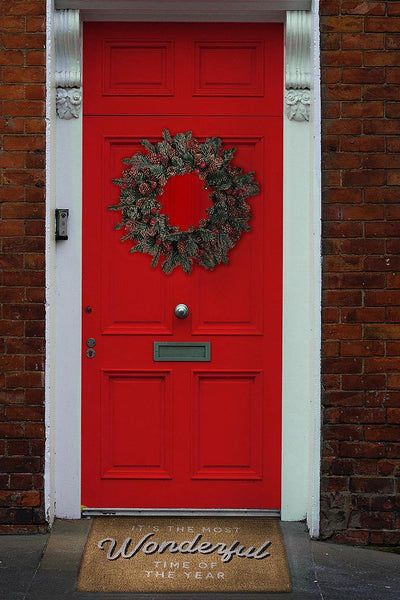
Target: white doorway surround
<point>301,252</point>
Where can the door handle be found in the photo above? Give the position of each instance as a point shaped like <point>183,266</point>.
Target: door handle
<point>181,311</point>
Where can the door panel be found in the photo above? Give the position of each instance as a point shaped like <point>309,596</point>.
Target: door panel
<point>136,448</point>
<point>232,450</point>
<point>182,434</point>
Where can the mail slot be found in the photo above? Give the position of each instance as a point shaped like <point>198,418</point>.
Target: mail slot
<point>182,351</point>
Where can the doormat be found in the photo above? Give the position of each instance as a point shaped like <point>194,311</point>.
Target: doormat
<point>185,554</point>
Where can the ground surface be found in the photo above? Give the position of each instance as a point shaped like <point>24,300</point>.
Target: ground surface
<point>44,567</point>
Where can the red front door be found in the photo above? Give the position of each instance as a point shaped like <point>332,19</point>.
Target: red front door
<point>182,434</point>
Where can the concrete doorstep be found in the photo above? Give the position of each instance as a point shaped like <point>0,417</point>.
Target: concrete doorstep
<point>45,567</point>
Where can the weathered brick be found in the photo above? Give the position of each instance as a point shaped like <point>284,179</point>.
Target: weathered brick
<point>382,433</point>
<point>345,24</point>
<point>16,498</point>
<point>362,8</point>
<point>372,485</point>
<point>364,382</point>
<point>385,195</point>
<point>11,23</point>
<point>363,315</point>
<point>343,398</point>
<point>369,348</point>
<point>337,58</point>
<point>392,75</point>
<point>12,57</point>
<point>355,415</point>
<point>365,212</point>
<point>381,92</point>
<point>24,74</point>
<point>352,536</point>
<point>343,432</point>
<point>361,41</point>
<point>367,178</point>
<point>364,143</point>
<point>24,40</point>
<point>342,331</point>
<point>382,24</point>
<point>363,74</point>
<point>392,41</point>
<point>342,365</point>
<point>362,449</point>
<point>17,447</point>
<point>362,109</point>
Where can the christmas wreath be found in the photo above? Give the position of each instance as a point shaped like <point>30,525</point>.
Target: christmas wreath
<point>143,183</point>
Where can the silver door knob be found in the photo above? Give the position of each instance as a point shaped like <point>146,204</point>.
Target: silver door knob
<point>181,311</point>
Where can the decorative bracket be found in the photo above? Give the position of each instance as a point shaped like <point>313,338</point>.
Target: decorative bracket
<point>297,70</point>
<point>68,63</point>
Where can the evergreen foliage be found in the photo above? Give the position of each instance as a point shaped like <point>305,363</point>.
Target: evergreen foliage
<point>150,231</point>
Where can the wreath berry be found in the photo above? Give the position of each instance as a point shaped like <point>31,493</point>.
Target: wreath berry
<point>149,229</point>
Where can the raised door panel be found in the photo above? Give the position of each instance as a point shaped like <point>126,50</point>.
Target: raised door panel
<point>136,418</point>
<point>227,425</point>
<point>229,69</point>
<point>233,304</point>
<point>128,307</point>
<point>138,68</point>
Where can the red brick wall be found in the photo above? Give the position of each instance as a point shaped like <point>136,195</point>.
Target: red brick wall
<point>22,229</point>
<point>360,64</point>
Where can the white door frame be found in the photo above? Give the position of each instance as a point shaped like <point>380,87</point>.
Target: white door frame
<point>301,283</point>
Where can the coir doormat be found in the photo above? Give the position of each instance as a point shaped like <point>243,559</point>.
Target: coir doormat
<point>185,554</point>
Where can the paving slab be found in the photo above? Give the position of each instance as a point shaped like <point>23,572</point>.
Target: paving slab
<point>356,573</point>
<point>20,557</point>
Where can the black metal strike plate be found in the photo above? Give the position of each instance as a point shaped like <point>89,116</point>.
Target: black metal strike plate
<point>62,223</point>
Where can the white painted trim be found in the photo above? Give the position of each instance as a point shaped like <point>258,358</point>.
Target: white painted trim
<point>67,355</point>
<point>301,334</point>
<point>301,313</point>
<point>184,10</point>
<point>313,514</point>
<point>49,487</point>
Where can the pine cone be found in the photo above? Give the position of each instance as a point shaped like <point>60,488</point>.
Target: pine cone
<point>152,156</point>
<point>144,188</point>
<point>203,222</point>
<point>181,245</point>
<point>212,167</point>
<point>227,228</point>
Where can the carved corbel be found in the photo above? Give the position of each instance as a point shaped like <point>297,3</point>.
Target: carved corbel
<point>297,69</point>
<point>68,63</point>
